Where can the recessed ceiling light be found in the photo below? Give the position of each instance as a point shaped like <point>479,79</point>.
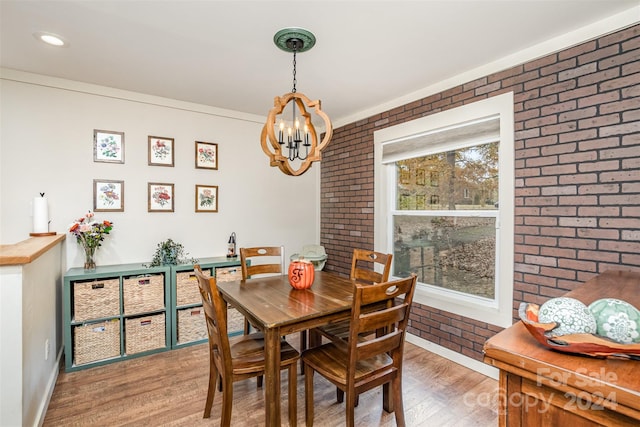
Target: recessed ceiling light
<point>51,39</point>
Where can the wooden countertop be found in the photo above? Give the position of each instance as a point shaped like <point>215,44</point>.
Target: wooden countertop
<point>28,250</point>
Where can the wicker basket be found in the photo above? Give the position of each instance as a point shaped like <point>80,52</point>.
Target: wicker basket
<point>143,293</point>
<point>191,325</point>
<point>228,274</point>
<point>96,341</point>
<point>144,333</point>
<point>187,289</point>
<point>96,299</point>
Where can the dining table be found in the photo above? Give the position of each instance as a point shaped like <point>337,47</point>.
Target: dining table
<point>274,307</point>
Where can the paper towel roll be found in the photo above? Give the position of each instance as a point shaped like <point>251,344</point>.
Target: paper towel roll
<point>40,215</point>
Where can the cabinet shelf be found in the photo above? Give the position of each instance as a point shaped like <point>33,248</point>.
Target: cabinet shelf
<point>116,312</point>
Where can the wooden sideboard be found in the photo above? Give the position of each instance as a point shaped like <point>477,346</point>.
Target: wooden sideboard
<point>538,386</point>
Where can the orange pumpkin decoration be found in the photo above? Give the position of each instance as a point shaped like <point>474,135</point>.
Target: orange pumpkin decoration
<point>301,274</point>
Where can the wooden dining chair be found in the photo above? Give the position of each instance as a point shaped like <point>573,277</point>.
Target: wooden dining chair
<point>256,267</point>
<point>371,359</point>
<point>237,358</point>
<point>258,261</point>
<point>363,270</point>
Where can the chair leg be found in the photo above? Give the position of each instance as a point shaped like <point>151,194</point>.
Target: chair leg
<point>396,385</point>
<point>227,403</point>
<point>303,347</point>
<point>350,409</point>
<point>308,395</point>
<point>340,397</point>
<point>293,395</point>
<point>247,326</point>
<point>211,390</point>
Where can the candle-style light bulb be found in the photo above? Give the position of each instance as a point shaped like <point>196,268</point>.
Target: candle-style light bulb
<point>297,136</point>
<point>306,135</point>
<point>281,132</point>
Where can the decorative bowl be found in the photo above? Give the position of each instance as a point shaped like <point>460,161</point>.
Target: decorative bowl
<point>585,344</point>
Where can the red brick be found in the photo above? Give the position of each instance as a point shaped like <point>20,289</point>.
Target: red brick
<point>579,158</point>
<point>595,233</point>
<point>581,178</point>
<point>633,223</point>
<point>598,189</point>
<point>558,231</point>
<point>599,77</point>
<point>559,273</point>
<point>599,256</point>
<point>560,190</point>
<point>578,114</point>
<point>578,71</point>
<point>577,265</point>
<point>599,166</point>
<point>600,98</point>
<point>577,243</point>
<point>619,246</point>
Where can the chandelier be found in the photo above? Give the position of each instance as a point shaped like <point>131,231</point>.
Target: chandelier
<point>289,136</point>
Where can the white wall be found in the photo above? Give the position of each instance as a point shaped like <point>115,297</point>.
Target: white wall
<point>46,146</point>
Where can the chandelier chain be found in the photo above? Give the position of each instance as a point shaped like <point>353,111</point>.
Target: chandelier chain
<point>294,69</point>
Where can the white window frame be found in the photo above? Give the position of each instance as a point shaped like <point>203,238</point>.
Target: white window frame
<point>498,311</point>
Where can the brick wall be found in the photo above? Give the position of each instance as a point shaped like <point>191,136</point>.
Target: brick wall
<point>577,170</point>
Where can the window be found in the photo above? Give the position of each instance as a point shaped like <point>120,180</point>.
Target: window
<point>451,242</point>
<point>439,183</point>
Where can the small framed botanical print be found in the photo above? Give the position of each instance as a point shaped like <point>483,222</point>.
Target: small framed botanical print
<point>108,146</point>
<point>206,198</point>
<point>108,195</point>
<point>161,151</point>
<point>160,197</point>
<point>206,155</point>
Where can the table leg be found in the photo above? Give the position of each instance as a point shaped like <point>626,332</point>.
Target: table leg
<point>272,376</point>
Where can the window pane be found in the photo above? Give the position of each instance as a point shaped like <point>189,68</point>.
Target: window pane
<point>455,253</point>
<point>463,179</point>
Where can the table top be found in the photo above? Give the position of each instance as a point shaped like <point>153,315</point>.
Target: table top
<point>516,350</point>
<point>272,302</point>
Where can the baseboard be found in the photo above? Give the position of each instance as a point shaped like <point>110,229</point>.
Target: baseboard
<point>456,357</point>
<point>51,384</point>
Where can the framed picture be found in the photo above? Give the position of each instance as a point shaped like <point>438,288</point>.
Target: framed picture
<point>108,146</point>
<point>206,198</point>
<point>161,151</point>
<point>160,197</point>
<point>108,195</point>
<point>206,155</point>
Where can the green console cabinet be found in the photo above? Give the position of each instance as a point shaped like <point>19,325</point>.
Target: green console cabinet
<point>120,311</point>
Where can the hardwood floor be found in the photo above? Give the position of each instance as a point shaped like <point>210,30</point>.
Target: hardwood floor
<point>169,389</point>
